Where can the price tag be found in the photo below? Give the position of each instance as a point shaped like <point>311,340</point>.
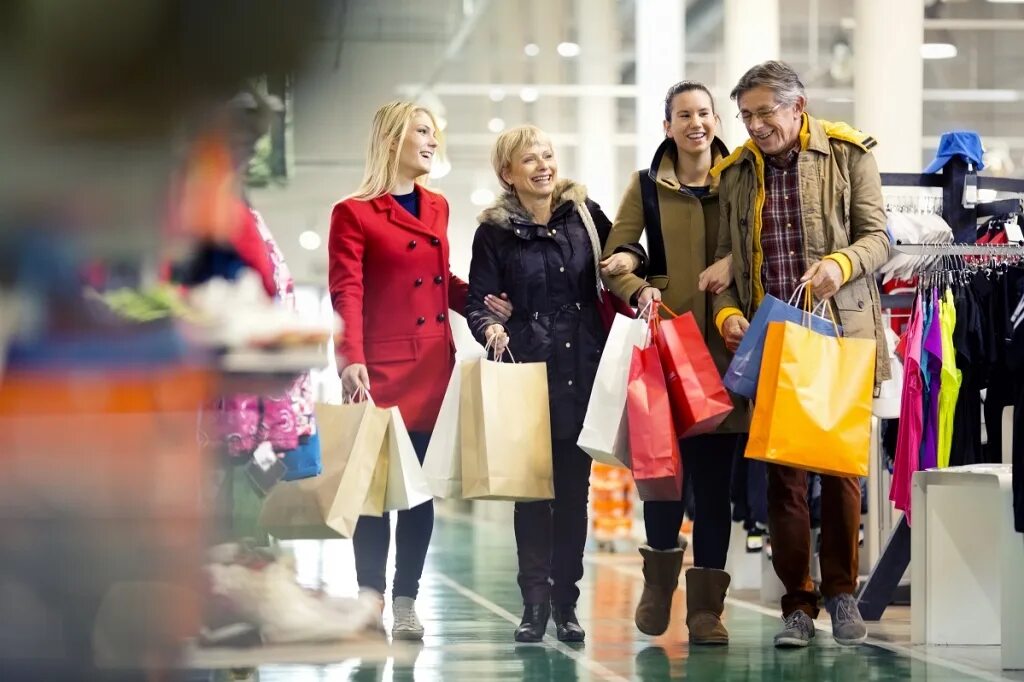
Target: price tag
<point>1013,230</point>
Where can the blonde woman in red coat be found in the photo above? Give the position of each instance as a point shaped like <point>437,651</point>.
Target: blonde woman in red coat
<point>391,284</point>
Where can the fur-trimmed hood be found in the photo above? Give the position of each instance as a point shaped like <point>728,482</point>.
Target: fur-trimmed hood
<point>507,209</point>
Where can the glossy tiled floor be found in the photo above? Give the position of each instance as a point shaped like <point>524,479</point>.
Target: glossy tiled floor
<point>470,603</point>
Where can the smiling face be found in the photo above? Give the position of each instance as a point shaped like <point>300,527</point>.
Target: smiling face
<point>533,171</point>
<point>774,127</point>
<point>692,124</point>
<point>419,147</point>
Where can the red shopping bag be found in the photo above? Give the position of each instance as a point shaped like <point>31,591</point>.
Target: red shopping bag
<point>700,402</point>
<point>657,465</point>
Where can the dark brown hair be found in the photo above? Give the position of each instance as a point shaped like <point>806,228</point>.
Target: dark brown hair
<point>686,86</point>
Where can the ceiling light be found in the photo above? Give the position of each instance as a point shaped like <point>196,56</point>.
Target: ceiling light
<point>938,51</point>
<point>497,94</point>
<point>310,240</point>
<point>532,49</point>
<point>496,125</point>
<point>1006,2</point>
<point>482,197</point>
<point>529,94</point>
<point>568,50</point>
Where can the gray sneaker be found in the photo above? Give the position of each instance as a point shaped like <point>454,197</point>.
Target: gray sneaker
<point>798,631</point>
<point>407,626</point>
<point>848,627</point>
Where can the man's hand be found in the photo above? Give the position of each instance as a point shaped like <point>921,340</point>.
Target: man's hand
<point>621,263</point>
<point>733,331</point>
<point>647,296</point>
<point>717,277</point>
<point>825,276</point>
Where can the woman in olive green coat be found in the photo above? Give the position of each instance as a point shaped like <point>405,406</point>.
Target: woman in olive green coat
<point>682,235</point>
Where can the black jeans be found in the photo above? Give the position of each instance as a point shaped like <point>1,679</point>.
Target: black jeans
<point>551,534</point>
<point>707,463</point>
<point>372,541</point>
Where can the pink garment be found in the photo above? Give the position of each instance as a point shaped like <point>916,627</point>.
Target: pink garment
<point>243,421</point>
<point>908,442</point>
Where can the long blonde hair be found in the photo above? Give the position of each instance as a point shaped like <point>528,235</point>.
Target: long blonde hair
<point>387,136</point>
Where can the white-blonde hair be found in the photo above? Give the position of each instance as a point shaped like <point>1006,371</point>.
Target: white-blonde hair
<point>512,142</point>
<point>387,135</point>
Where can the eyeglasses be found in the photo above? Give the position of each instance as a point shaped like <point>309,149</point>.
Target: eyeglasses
<point>765,115</point>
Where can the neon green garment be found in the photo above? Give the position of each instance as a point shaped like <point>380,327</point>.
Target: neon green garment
<point>949,388</point>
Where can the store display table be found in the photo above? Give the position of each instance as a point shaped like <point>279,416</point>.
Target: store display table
<point>967,572</point>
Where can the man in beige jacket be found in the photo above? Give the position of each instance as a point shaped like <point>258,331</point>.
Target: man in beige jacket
<point>801,200</point>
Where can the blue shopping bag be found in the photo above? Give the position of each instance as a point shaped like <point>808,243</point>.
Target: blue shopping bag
<point>741,377</point>
<point>304,461</point>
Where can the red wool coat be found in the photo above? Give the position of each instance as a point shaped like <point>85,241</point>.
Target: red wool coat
<point>391,284</point>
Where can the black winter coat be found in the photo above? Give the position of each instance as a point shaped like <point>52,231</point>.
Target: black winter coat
<point>549,273</point>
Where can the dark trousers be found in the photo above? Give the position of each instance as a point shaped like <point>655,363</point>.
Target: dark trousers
<point>707,465</point>
<point>412,538</point>
<point>789,524</point>
<point>551,534</point>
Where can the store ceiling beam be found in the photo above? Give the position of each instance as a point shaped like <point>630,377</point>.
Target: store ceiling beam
<point>974,24</point>
<point>629,91</point>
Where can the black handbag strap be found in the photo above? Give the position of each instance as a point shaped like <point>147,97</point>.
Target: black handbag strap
<point>657,265</point>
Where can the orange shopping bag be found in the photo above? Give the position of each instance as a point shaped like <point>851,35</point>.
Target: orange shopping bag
<point>813,405</point>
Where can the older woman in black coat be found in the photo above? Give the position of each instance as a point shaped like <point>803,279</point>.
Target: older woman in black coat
<point>541,243</point>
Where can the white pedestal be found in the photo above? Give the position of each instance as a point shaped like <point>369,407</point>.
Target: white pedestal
<point>743,566</point>
<point>967,572</point>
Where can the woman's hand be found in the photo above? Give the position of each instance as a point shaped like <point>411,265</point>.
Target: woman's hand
<point>499,306</point>
<point>354,379</point>
<point>497,338</point>
<point>644,301</point>
<point>621,263</point>
<point>717,277</point>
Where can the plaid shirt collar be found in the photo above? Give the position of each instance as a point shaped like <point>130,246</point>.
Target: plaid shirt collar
<point>785,160</point>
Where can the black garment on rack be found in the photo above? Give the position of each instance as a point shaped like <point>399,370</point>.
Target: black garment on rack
<point>969,340</point>
<point>1002,383</point>
<point>1014,287</point>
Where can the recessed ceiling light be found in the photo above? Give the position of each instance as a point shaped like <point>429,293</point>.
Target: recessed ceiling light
<point>532,49</point>
<point>568,49</point>
<point>496,125</point>
<point>310,240</point>
<point>938,51</point>
<point>497,94</point>
<point>529,94</point>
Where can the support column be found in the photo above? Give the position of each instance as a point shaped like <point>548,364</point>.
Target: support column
<point>660,43</point>
<point>889,80</point>
<point>751,37</point>
<point>598,38</point>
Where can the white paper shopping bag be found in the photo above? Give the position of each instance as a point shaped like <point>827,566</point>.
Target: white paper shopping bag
<point>442,466</point>
<point>605,434</point>
<point>407,487</point>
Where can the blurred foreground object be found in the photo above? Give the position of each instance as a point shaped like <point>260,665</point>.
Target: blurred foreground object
<point>101,517</point>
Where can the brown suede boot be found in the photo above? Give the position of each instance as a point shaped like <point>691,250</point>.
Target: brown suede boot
<point>705,601</point>
<point>661,576</point>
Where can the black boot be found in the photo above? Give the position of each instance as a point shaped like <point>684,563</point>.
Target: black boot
<point>567,626</point>
<point>535,622</point>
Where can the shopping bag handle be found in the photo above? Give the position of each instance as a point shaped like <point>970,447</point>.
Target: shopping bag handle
<point>354,397</point>
<point>489,348</point>
<point>809,309</point>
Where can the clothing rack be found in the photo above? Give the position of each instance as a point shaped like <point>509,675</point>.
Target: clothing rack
<point>1014,249</point>
<point>957,174</point>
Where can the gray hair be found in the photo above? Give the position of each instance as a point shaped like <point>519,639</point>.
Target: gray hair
<point>776,76</point>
